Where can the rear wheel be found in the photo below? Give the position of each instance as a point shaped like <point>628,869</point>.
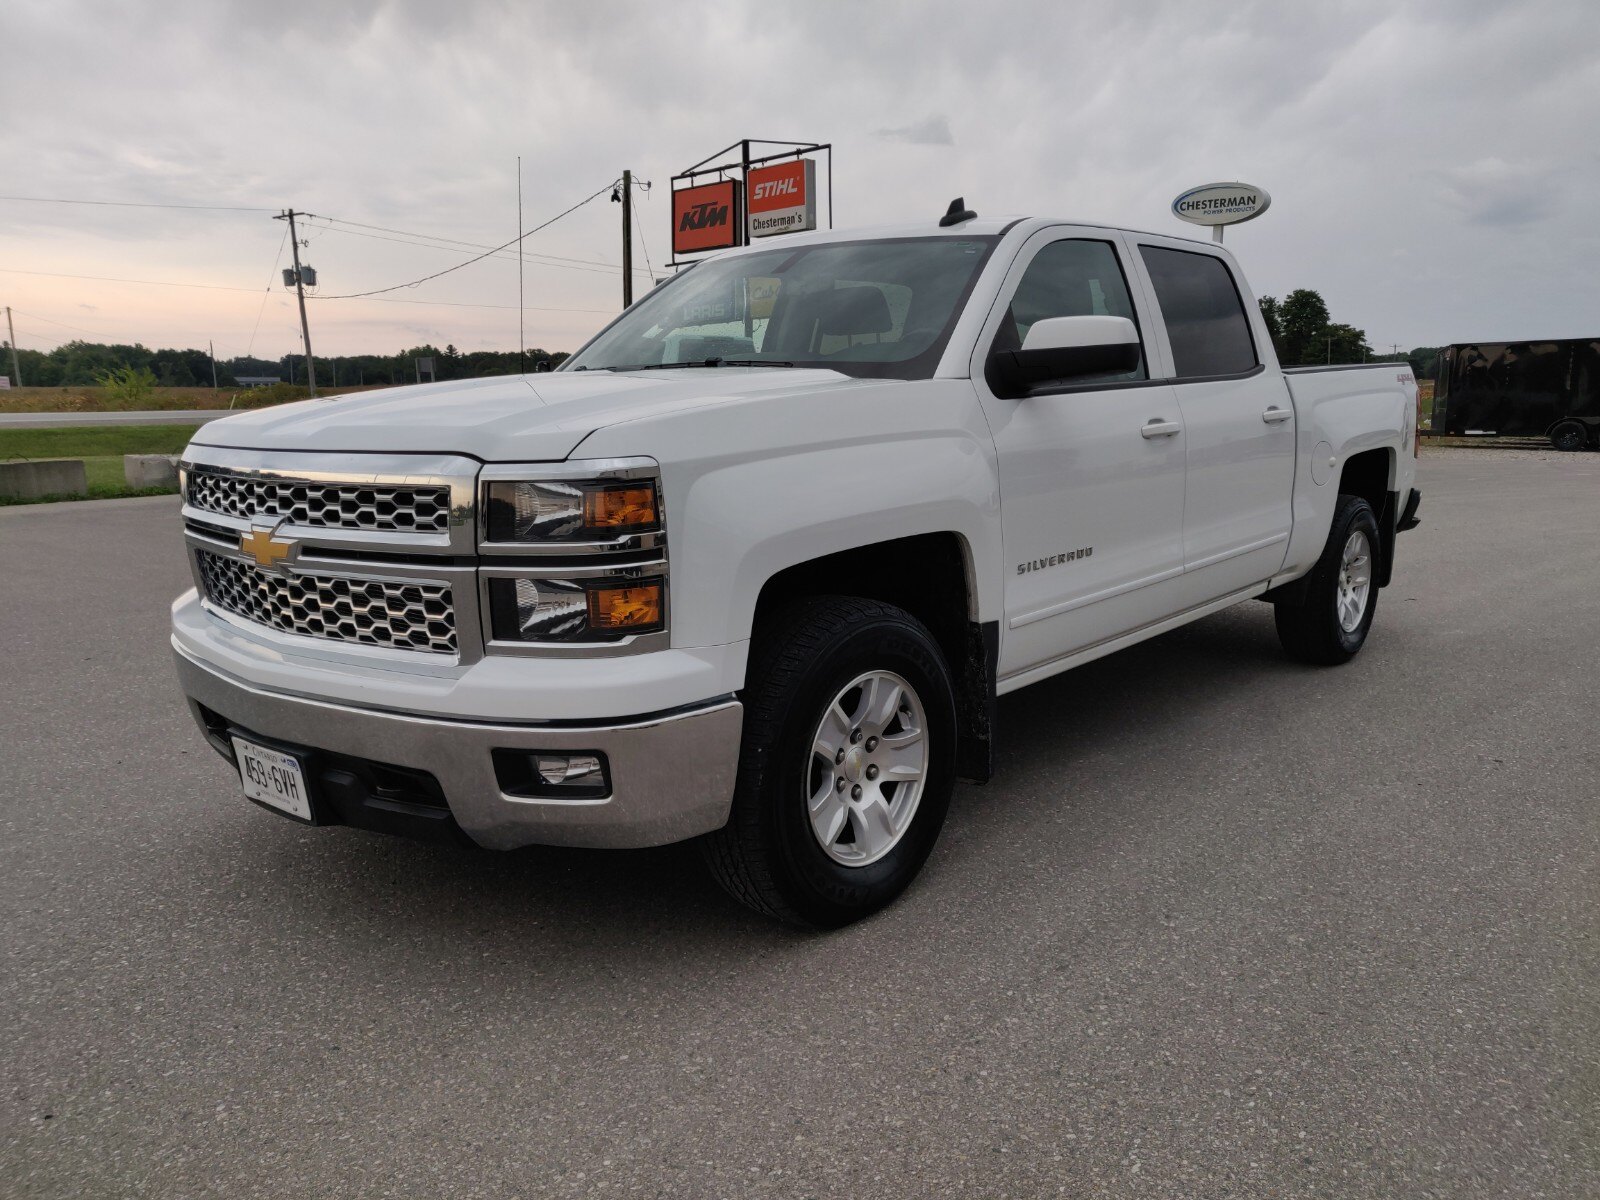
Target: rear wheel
<point>1329,623</point>
<point>1569,435</point>
<point>847,764</point>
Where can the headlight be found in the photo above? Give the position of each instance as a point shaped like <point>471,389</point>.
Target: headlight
<point>570,511</point>
<point>573,557</point>
<point>523,609</point>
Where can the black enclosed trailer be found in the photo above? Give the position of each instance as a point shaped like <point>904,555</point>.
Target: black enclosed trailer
<point>1521,389</point>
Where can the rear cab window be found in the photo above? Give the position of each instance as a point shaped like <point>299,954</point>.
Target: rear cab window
<point>1203,313</point>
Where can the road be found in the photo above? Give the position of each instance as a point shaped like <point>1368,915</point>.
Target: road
<point>61,420</point>
<point>1222,927</point>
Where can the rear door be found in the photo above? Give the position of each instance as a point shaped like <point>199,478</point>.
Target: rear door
<point>1091,499</point>
<point>1238,420</point>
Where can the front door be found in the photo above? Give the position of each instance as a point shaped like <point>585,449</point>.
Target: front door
<point>1091,474</point>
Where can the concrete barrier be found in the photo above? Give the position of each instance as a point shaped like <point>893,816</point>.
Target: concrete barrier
<point>150,470</point>
<point>43,477</point>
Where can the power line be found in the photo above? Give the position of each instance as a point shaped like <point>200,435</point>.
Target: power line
<point>610,312</point>
<point>267,292</point>
<point>516,241</point>
<point>536,259</point>
<point>213,287</point>
<point>649,272</point>
<point>135,204</point>
<point>105,333</point>
<point>431,237</point>
<point>63,324</point>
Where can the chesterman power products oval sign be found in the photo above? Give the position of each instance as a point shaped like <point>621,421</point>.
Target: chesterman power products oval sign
<point>1221,204</point>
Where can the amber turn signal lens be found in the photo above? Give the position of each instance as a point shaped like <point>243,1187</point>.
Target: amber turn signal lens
<point>621,507</point>
<point>635,607</point>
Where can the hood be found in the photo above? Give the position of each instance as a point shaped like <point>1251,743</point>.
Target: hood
<point>519,418</point>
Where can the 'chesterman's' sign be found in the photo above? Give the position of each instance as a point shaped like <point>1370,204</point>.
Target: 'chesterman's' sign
<point>1221,204</point>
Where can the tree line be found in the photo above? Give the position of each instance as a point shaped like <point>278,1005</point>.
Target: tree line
<point>87,364</point>
<point>1305,335</point>
<point>1302,330</point>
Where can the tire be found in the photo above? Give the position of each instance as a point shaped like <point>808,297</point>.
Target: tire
<point>1322,627</point>
<point>822,654</point>
<point>1570,435</point>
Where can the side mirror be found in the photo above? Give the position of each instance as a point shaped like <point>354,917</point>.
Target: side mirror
<point>1063,348</point>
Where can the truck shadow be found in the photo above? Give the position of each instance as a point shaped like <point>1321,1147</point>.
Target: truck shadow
<point>605,899</point>
<point>1144,688</point>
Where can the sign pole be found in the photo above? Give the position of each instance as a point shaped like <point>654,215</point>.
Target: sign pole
<point>1216,234</point>
<point>744,176</point>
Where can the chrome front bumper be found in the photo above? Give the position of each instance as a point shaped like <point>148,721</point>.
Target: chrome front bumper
<point>672,775</point>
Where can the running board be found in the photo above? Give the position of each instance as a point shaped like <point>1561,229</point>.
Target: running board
<point>1020,679</point>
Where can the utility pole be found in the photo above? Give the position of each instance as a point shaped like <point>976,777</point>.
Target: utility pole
<point>627,238</point>
<point>16,365</point>
<point>211,349</point>
<point>300,290</point>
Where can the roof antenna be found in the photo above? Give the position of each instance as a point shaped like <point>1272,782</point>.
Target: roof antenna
<point>957,213</point>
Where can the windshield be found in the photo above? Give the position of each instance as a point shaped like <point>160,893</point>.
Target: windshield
<point>880,308</point>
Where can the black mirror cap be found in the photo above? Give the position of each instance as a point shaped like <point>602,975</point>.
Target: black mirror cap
<point>1017,373</point>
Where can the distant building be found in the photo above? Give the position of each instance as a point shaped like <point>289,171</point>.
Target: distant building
<point>255,381</point>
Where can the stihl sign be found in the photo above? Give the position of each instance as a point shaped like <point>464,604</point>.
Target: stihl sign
<point>705,217</point>
<point>783,198</point>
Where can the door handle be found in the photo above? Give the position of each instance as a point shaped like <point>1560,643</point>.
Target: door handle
<point>1157,427</point>
<point>1275,415</point>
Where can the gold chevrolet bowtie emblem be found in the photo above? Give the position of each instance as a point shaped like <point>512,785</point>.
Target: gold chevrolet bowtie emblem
<point>260,545</point>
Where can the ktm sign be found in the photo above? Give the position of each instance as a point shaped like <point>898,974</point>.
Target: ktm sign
<point>705,217</point>
<point>783,198</point>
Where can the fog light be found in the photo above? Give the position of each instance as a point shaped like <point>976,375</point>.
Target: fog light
<point>545,775</point>
<point>576,770</point>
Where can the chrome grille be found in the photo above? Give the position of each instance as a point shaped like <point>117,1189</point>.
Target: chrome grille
<point>403,616</point>
<point>380,508</point>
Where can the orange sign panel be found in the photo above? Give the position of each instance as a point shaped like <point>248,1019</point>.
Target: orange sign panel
<point>783,197</point>
<point>705,217</point>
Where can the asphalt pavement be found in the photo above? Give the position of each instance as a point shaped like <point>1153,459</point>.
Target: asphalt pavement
<point>1223,926</point>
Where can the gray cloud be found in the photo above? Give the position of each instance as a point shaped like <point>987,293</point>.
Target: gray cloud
<point>1376,125</point>
<point>934,131</point>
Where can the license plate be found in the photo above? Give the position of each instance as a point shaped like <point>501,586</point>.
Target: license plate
<point>273,777</point>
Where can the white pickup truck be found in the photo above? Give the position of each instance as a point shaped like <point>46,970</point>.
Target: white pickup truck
<point>754,564</point>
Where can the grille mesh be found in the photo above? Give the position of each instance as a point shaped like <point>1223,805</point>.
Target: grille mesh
<point>405,616</point>
<point>322,505</point>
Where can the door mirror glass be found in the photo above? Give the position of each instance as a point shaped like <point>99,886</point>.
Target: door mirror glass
<point>1066,349</point>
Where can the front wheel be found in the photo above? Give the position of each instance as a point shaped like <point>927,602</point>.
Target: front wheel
<point>847,763</point>
<point>1329,622</point>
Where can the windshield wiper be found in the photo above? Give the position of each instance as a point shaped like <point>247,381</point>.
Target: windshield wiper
<point>707,362</point>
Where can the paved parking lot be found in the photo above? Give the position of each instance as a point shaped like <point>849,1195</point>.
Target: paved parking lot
<point>1222,927</point>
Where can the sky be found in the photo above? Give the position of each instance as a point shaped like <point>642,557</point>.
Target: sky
<point>1434,167</point>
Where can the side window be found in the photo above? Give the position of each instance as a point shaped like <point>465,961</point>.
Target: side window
<point>1205,317</point>
<point>1071,278</point>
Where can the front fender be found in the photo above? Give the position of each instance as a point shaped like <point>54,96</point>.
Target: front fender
<point>756,487</point>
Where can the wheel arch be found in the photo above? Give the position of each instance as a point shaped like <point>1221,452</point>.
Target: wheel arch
<point>932,576</point>
<point>1370,474</point>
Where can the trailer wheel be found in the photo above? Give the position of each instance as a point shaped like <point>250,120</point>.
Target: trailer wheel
<point>847,765</point>
<point>1329,621</point>
<point>1569,435</point>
